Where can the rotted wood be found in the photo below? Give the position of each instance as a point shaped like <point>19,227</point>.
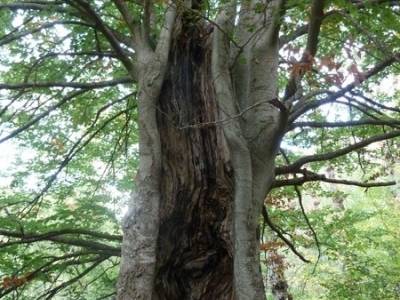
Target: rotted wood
<point>195,254</point>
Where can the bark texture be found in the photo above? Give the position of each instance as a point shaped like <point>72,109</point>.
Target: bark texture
<point>195,255</point>
<point>141,224</point>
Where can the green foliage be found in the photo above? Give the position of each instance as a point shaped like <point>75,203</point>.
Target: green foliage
<point>359,249</point>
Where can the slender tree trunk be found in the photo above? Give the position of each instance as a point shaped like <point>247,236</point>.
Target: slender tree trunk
<point>276,281</point>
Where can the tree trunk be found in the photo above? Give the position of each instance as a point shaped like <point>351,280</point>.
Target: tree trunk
<point>276,276</point>
<point>191,232</point>
<point>195,254</point>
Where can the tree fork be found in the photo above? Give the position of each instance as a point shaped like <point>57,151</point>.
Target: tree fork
<point>212,179</point>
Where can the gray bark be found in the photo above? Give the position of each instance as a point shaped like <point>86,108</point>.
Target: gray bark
<point>141,224</point>
<point>254,137</point>
<point>204,256</point>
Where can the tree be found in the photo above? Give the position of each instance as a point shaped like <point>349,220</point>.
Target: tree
<point>208,91</point>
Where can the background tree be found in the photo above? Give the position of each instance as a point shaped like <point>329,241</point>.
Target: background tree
<point>212,104</point>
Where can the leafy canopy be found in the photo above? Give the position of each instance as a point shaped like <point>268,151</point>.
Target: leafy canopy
<point>68,112</point>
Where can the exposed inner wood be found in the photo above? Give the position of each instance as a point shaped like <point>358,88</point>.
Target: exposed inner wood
<point>195,259</point>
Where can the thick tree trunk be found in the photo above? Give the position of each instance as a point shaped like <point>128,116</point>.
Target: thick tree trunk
<point>195,254</point>
<point>191,232</point>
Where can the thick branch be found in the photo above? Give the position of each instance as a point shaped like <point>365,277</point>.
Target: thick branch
<point>300,31</point>
<point>90,13</point>
<point>131,23</point>
<point>303,29</point>
<point>164,40</point>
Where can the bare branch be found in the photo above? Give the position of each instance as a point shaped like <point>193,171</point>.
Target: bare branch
<point>303,211</point>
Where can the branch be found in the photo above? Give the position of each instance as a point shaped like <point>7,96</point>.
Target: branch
<point>51,5</point>
<point>10,38</point>
<point>165,37</point>
<point>65,284</point>
<point>313,124</point>
<point>303,211</point>
<point>69,260</point>
<point>76,85</point>
<point>375,103</point>
<point>334,154</point>
<point>65,231</point>
<point>85,8</point>
<point>367,110</point>
<point>76,148</point>
<point>17,131</point>
<point>317,15</point>
<point>280,235</point>
<point>299,31</point>
<point>309,176</point>
<point>300,109</point>
<point>274,102</point>
<point>31,238</point>
<point>131,23</point>
<point>99,54</point>
<point>303,29</point>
